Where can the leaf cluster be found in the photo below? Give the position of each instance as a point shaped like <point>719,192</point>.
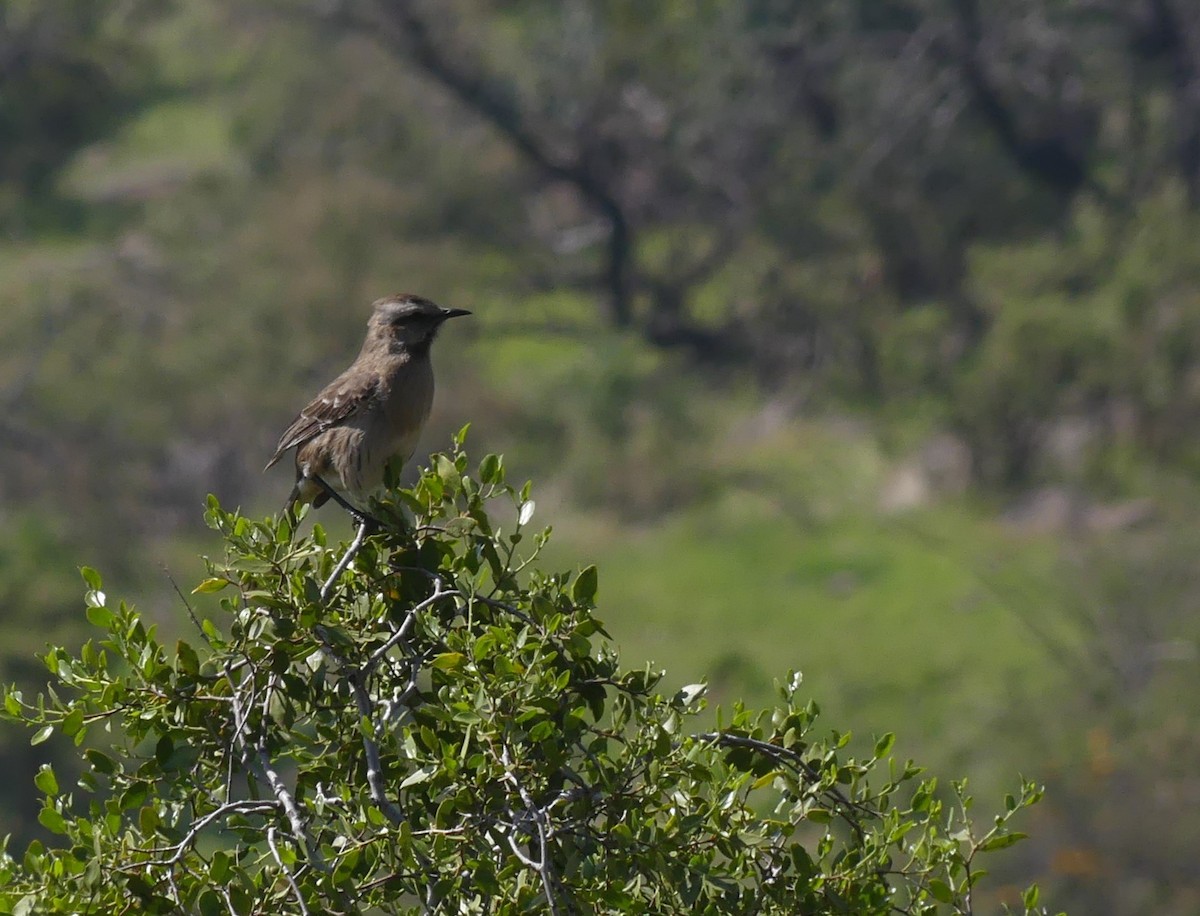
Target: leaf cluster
<point>449,730</point>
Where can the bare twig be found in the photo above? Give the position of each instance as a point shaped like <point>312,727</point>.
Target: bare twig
<point>503,606</point>
<point>797,762</point>
<point>239,724</point>
<point>536,815</point>
<point>260,762</point>
<point>356,679</point>
<point>359,536</point>
<point>402,631</point>
<point>178,850</point>
<point>287,873</point>
<point>290,808</point>
<point>187,606</point>
<point>389,809</point>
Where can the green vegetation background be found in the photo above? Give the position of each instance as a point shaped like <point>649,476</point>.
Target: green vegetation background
<point>885,398</point>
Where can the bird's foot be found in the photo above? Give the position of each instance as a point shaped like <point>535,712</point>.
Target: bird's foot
<point>367,522</point>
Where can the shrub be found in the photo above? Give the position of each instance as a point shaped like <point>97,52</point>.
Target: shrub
<point>443,727</point>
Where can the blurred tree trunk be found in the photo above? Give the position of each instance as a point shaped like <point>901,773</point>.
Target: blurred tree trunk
<point>638,162</point>
<point>413,38</point>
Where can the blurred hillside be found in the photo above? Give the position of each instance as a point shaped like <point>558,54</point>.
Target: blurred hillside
<point>857,337</point>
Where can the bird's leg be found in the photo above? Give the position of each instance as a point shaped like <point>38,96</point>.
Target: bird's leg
<point>366,525</point>
<point>359,536</point>
<point>357,514</point>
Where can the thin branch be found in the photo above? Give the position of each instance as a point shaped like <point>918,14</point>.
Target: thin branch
<point>389,809</point>
<point>410,618</point>
<point>239,723</point>
<point>387,879</point>
<point>187,606</point>
<point>798,763</point>
<point>503,606</point>
<point>533,812</point>
<point>290,808</point>
<point>359,536</point>
<point>174,885</point>
<point>287,872</point>
<point>178,850</point>
<point>355,678</point>
<point>258,759</point>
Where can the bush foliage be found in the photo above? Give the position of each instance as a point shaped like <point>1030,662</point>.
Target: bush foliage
<point>445,727</point>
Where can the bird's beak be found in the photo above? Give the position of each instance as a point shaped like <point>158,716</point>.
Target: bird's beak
<point>453,313</point>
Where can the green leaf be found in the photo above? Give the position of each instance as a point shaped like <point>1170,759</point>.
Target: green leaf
<point>91,577</point>
<point>765,780</point>
<point>1001,841</point>
<point>448,660</point>
<point>209,903</point>
<point>148,821</point>
<point>445,469</point>
<point>214,584</point>
<point>41,734</point>
<point>163,749</point>
<point>883,746</point>
<point>489,469</point>
<point>583,590</point>
<point>99,616</point>
<point>100,761</point>
<point>46,781</point>
<point>940,891</point>
<point>218,869</point>
<point>52,820</point>
<point>345,868</point>
<point>72,723</point>
<point>1030,897</point>
<point>418,776</point>
<point>244,903</point>
<point>133,796</point>
<point>189,662</point>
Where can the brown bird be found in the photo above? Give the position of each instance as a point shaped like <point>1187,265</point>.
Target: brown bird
<point>372,413</point>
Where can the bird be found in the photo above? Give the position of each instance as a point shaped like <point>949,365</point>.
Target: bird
<point>372,413</point>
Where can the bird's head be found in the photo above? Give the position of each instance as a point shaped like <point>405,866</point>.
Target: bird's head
<point>407,322</point>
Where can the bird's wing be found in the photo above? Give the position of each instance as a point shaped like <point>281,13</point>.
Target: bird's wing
<point>339,401</point>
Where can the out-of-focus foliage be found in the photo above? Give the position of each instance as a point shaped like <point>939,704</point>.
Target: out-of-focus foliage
<point>70,72</point>
<point>917,204</point>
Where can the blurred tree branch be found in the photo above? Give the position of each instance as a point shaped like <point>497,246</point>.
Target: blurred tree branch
<point>405,28</point>
<point>631,157</point>
<point>1055,152</point>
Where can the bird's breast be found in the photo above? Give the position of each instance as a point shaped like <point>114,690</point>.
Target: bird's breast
<point>389,432</point>
<point>406,407</point>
